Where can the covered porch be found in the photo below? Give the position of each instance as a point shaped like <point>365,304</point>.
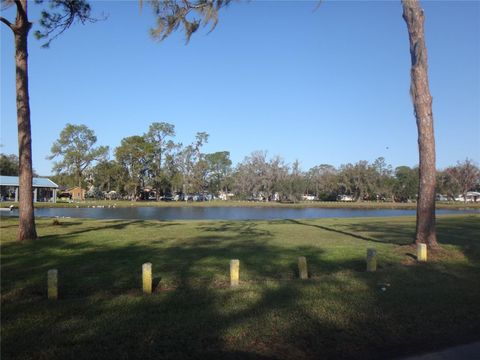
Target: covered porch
<point>44,190</point>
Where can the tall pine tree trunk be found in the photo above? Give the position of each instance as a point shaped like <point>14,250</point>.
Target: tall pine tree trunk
<point>22,26</point>
<point>422,103</point>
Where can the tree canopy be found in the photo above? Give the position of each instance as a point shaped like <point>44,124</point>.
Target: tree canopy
<point>75,150</point>
<point>8,165</point>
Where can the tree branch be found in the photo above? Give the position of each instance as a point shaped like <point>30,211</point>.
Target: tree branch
<point>8,23</point>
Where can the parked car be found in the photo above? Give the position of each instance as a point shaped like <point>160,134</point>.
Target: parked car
<point>345,198</point>
<point>441,197</point>
<point>167,198</point>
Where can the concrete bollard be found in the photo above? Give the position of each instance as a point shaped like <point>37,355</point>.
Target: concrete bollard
<point>234,272</point>
<point>302,267</point>
<point>371,260</point>
<point>421,252</point>
<point>147,278</point>
<point>52,284</point>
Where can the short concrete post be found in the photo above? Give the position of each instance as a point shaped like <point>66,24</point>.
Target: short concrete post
<point>422,252</point>
<point>147,278</point>
<point>234,272</point>
<point>302,267</point>
<point>371,260</point>
<point>52,284</point>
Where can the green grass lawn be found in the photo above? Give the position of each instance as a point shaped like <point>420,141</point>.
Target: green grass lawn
<point>341,311</point>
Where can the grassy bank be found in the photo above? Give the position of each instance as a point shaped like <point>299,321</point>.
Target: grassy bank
<point>220,203</point>
<point>341,311</point>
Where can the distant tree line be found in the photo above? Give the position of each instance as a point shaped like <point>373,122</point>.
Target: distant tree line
<point>260,177</point>
<point>153,165</point>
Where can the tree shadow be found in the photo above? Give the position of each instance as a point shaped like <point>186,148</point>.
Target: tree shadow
<point>326,228</point>
<point>243,228</point>
<point>340,312</point>
<point>459,232</point>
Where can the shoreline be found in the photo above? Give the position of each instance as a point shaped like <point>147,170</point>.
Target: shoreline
<point>244,204</point>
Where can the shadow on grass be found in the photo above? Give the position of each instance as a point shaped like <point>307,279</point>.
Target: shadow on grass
<point>195,315</point>
<point>114,225</point>
<point>326,228</point>
<point>241,228</point>
<point>460,232</point>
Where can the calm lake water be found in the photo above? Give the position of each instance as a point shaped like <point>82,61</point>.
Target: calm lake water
<point>223,213</point>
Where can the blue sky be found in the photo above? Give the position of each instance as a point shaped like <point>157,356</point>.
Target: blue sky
<point>326,86</point>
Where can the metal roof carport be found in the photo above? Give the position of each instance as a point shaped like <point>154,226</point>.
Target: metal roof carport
<point>37,183</point>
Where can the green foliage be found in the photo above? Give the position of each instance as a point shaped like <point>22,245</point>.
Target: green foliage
<point>170,15</point>
<point>322,181</point>
<point>357,179</point>
<point>366,181</point>
<point>75,148</point>
<point>94,193</point>
<point>9,165</point>
<point>406,183</point>
<point>108,175</point>
<point>155,161</point>
<point>384,181</point>
<point>219,167</point>
<point>134,155</point>
<point>162,147</point>
<point>64,180</point>
<point>188,14</point>
<point>59,16</point>
<point>294,184</point>
<point>192,165</point>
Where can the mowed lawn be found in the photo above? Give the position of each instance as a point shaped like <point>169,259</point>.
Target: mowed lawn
<point>341,311</point>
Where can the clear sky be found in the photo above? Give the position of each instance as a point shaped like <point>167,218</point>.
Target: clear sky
<point>325,86</point>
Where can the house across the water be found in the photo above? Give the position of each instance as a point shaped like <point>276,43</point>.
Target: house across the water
<point>77,193</point>
<point>44,190</point>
